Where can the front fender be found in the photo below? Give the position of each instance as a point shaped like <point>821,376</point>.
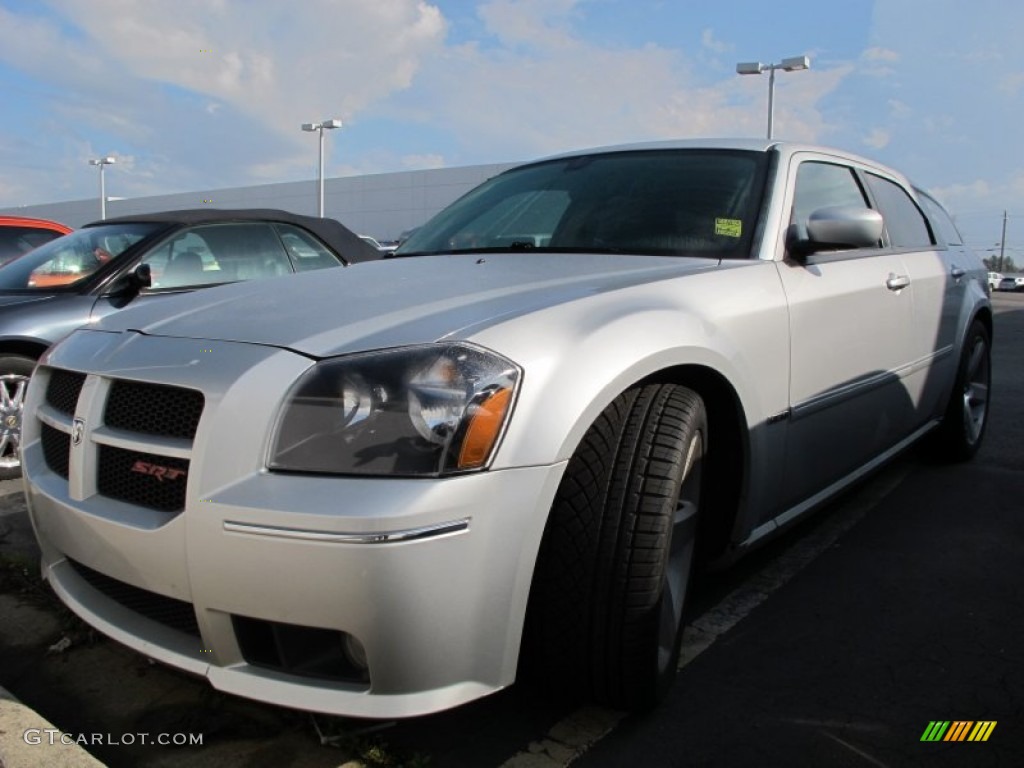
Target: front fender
<point>580,356</point>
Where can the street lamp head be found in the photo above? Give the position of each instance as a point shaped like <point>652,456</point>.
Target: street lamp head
<point>103,161</point>
<point>796,63</point>
<point>750,68</point>
<point>320,126</point>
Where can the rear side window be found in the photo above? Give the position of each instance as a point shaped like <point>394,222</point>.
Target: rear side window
<point>941,219</point>
<point>907,226</point>
<point>15,241</point>
<point>305,251</point>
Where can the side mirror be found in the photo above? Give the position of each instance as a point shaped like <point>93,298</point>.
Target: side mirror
<point>141,276</point>
<point>128,285</point>
<point>839,227</point>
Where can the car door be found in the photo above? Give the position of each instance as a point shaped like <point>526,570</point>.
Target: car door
<point>851,330</point>
<point>938,313</point>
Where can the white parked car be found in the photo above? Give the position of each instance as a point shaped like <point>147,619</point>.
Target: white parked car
<point>370,493</point>
<point>1011,283</point>
<point>993,280</point>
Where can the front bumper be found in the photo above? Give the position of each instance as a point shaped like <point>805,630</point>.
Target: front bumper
<point>431,577</point>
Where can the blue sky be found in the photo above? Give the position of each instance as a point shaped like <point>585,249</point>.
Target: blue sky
<point>199,94</point>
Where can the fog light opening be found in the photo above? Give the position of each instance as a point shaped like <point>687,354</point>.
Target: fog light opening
<point>355,653</point>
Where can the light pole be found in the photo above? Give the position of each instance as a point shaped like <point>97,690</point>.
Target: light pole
<point>792,64</point>
<point>1002,246</point>
<point>101,162</point>
<point>321,127</point>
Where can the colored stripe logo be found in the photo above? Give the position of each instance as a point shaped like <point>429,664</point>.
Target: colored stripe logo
<point>958,730</point>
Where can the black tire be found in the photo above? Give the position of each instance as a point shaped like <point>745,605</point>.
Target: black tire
<point>15,371</point>
<point>963,427</point>
<point>606,607</point>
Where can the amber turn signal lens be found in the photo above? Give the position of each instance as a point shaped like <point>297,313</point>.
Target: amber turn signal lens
<point>483,429</point>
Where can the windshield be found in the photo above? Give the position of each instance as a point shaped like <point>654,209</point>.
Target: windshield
<point>69,260</point>
<point>664,202</point>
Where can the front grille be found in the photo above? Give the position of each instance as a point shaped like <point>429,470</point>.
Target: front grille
<point>153,409</point>
<point>156,482</point>
<point>176,614</point>
<point>63,389</point>
<point>56,449</point>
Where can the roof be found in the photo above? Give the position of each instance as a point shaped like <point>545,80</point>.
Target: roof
<point>26,221</point>
<point>331,231</point>
<point>749,145</point>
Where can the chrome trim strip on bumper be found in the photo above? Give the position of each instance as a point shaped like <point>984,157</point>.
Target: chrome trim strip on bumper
<point>383,537</point>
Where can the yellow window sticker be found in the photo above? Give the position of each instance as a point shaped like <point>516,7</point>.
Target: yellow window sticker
<point>729,227</point>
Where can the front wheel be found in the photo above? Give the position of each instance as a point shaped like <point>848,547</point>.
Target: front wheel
<point>610,585</point>
<point>14,375</point>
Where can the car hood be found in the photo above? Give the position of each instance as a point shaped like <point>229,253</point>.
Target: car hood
<point>20,299</point>
<point>393,302</point>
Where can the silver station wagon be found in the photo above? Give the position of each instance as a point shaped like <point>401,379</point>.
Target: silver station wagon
<point>386,490</point>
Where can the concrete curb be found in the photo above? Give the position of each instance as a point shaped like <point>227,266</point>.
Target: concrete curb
<point>27,740</point>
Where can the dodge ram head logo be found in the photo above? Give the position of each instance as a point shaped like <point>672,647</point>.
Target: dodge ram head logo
<point>161,473</point>
<point>77,431</point>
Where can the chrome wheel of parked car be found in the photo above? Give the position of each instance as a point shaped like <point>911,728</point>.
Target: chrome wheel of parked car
<point>14,376</point>
<point>963,426</point>
<point>615,563</point>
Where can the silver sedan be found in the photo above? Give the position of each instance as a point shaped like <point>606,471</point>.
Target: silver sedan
<point>388,492</point>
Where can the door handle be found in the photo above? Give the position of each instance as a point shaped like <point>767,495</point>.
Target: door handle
<point>957,272</point>
<point>897,282</point>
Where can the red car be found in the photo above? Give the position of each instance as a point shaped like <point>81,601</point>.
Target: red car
<point>19,235</point>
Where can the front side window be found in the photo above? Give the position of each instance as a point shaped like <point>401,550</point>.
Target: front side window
<point>72,259</point>
<point>906,225</point>
<point>824,185</point>
<point>218,253</point>
<point>662,202</point>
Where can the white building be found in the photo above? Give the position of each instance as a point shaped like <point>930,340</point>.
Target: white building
<point>382,205</point>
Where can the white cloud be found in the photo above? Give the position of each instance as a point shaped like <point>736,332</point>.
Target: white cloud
<point>709,41</point>
<point>880,54</point>
<point>567,92</point>
<point>205,82</point>
<point>534,23</point>
<point>334,57</point>
<point>899,110</point>
<point>877,139</point>
<point>1012,83</point>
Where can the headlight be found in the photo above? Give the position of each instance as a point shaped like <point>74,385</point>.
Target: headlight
<point>416,411</point>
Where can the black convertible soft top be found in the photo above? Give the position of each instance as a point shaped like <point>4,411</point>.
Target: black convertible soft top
<point>342,240</point>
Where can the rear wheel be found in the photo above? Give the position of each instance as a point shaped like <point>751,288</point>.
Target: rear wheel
<point>610,586</point>
<point>963,426</point>
<point>14,375</point>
